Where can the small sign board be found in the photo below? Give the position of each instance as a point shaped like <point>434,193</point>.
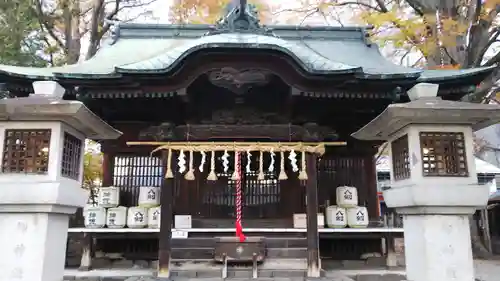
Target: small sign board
<point>179,234</point>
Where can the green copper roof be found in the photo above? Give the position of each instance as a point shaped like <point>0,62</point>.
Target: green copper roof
<point>147,48</point>
<point>308,58</point>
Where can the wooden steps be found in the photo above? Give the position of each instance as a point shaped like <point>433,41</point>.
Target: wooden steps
<point>203,248</point>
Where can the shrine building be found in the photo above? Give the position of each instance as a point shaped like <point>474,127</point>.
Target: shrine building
<point>293,93</point>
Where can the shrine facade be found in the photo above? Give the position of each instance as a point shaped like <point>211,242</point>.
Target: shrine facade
<point>241,82</point>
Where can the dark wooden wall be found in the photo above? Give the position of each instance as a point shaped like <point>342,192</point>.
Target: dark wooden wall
<point>131,167</point>
<point>268,199</point>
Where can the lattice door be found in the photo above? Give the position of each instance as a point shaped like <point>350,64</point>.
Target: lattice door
<point>261,199</point>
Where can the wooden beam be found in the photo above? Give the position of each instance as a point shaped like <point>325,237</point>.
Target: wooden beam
<point>313,262</point>
<point>165,240</point>
<point>237,143</point>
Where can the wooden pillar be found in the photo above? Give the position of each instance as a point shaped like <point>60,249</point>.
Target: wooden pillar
<point>108,164</point>
<point>313,262</point>
<point>166,200</point>
<point>486,229</point>
<point>373,205</point>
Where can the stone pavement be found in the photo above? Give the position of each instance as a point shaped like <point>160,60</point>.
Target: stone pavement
<point>485,271</point>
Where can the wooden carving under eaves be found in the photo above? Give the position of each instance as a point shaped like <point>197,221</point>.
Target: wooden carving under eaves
<point>162,132</point>
<point>315,132</point>
<point>240,124</point>
<point>244,116</point>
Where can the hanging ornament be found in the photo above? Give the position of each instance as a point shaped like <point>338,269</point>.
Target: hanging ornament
<point>181,162</point>
<point>282,175</point>
<point>293,160</point>
<point>249,162</point>
<point>238,203</point>
<point>303,173</point>
<point>212,176</point>
<point>261,177</point>
<point>190,174</point>
<point>203,160</point>
<point>169,174</point>
<point>237,167</point>
<point>225,161</point>
<point>271,165</point>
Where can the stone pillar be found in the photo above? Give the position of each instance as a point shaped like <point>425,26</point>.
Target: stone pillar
<point>42,141</point>
<point>433,179</point>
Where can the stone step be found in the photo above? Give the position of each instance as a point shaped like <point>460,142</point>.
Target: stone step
<point>286,253</point>
<point>235,279</point>
<point>240,273</point>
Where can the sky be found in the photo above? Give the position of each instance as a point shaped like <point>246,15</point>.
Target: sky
<point>158,12</point>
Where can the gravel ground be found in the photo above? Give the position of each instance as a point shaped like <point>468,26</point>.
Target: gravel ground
<point>487,270</point>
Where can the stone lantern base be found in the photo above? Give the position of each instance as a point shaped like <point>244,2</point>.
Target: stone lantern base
<point>436,227</point>
<point>34,226</point>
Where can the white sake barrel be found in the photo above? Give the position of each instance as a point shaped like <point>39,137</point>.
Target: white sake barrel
<point>347,196</point>
<point>86,207</point>
<point>154,215</point>
<point>357,217</point>
<point>109,197</point>
<point>149,196</point>
<point>95,217</point>
<point>137,217</point>
<point>336,217</point>
<point>116,217</point>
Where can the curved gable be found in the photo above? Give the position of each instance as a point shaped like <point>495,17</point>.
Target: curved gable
<point>307,58</point>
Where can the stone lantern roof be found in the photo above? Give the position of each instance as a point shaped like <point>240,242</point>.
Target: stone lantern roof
<point>46,104</point>
<point>427,108</point>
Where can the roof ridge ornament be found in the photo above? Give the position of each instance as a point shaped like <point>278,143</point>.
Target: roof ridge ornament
<point>240,17</point>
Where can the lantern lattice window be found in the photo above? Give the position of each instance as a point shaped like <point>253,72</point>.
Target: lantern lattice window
<point>71,156</point>
<point>400,158</point>
<point>26,151</point>
<point>443,154</point>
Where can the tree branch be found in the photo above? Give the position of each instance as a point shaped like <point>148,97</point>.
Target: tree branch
<point>94,27</point>
<point>45,26</point>
<point>382,6</point>
<point>315,9</point>
<point>416,6</point>
<point>493,38</point>
<point>51,55</point>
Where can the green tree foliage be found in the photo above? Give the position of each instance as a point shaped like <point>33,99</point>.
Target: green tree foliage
<point>446,33</point>
<point>19,38</point>
<point>55,32</point>
<point>92,169</point>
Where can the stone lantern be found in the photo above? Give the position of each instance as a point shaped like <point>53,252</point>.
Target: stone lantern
<point>42,141</point>
<point>433,179</point>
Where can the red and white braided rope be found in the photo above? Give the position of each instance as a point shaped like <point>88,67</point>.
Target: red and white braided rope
<point>237,167</point>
